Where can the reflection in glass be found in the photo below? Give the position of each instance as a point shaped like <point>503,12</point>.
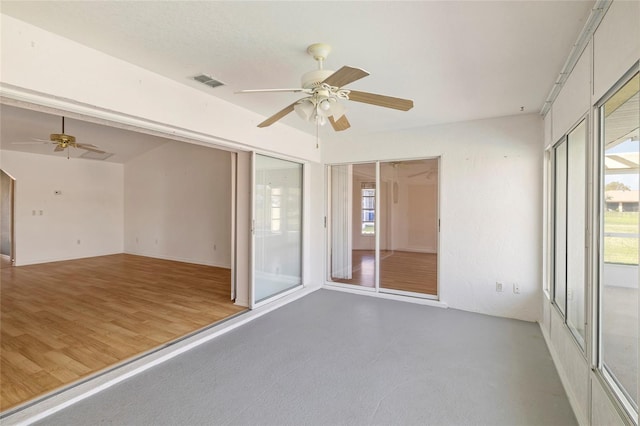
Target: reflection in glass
<point>560,226</point>
<point>353,202</point>
<point>620,119</point>
<point>278,226</point>
<point>409,226</point>
<point>576,211</point>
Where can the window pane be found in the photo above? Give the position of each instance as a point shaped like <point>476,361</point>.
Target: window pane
<point>368,204</point>
<point>576,199</point>
<point>278,234</point>
<point>560,234</point>
<point>368,228</point>
<point>620,117</point>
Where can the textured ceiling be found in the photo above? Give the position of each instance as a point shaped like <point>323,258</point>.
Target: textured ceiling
<point>457,60</point>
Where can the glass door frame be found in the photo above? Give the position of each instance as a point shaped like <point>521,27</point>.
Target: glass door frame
<point>253,304</point>
<point>376,288</point>
<point>598,364</point>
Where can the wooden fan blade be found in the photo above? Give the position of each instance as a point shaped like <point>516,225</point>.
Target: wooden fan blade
<point>341,124</point>
<point>277,116</point>
<point>89,147</point>
<point>345,75</point>
<point>381,100</point>
<point>58,149</point>
<point>272,90</point>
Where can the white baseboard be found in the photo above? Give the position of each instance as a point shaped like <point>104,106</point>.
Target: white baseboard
<point>62,258</point>
<point>179,259</point>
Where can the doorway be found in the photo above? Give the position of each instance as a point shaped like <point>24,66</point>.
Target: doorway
<point>7,240</point>
<point>384,224</point>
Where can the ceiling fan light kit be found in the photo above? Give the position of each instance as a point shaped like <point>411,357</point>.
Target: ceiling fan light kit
<point>325,90</point>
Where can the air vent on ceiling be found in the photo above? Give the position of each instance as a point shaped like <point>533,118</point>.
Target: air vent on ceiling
<point>96,155</point>
<point>208,80</point>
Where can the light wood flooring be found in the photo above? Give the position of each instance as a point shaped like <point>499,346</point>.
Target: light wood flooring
<point>399,270</point>
<point>5,261</point>
<point>63,321</point>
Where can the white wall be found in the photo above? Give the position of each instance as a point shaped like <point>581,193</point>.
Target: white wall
<point>85,220</point>
<point>612,51</point>
<point>178,204</point>
<point>615,45</point>
<point>415,216</point>
<point>491,195</point>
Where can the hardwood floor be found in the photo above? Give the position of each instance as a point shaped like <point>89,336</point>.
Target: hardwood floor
<point>63,321</point>
<point>399,270</point>
<point>5,261</point>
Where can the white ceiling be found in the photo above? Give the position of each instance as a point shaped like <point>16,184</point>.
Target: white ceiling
<point>457,60</point>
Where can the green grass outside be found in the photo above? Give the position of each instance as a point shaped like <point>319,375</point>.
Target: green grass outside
<point>618,249</point>
<point>368,229</point>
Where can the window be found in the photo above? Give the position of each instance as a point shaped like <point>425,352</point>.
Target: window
<point>619,236</point>
<point>569,218</point>
<point>368,195</point>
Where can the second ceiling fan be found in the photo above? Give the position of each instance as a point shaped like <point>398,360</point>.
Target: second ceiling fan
<point>325,90</point>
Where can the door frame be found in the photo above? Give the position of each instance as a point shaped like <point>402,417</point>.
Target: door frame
<point>376,289</point>
<point>12,217</point>
<point>253,304</point>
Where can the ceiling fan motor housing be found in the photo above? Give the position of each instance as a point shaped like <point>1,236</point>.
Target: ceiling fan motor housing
<point>62,139</point>
<point>313,79</point>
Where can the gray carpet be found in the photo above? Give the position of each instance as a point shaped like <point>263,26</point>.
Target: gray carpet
<point>334,358</point>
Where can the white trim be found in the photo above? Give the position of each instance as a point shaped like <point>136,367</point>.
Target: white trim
<point>378,229</point>
<point>66,258</point>
<point>364,292</point>
<point>91,387</point>
<point>172,258</point>
<point>278,296</point>
<point>356,287</point>
<point>408,293</point>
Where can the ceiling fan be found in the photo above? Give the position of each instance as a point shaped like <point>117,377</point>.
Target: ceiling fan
<point>63,141</point>
<point>325,92</point>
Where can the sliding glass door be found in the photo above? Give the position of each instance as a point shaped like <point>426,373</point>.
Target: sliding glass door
<point>277,227</point>
<point>409,226</point>
<point>383,226</point>
<point>353,224</point>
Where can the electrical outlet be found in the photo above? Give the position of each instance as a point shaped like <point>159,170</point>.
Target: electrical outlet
<point>516,288</point>
<point>498,287</point>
